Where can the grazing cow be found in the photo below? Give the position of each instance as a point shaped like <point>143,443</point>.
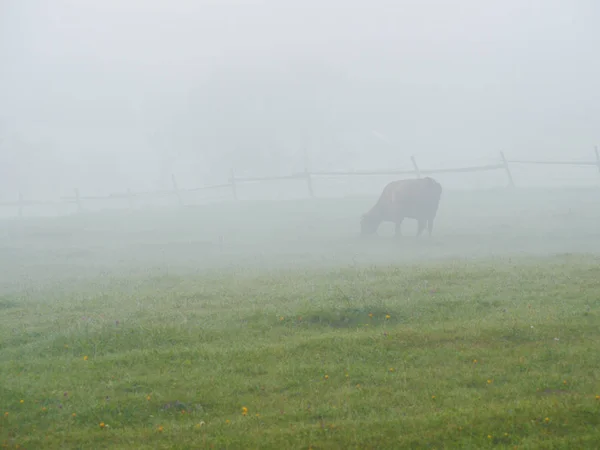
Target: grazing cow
<point>415,199</point>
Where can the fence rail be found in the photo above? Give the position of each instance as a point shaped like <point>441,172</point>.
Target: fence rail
<point>362,173</point>
<point>558,163</point>
<point>234,181</point>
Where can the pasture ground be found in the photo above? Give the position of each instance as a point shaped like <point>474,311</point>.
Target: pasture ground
<point>151,325</point>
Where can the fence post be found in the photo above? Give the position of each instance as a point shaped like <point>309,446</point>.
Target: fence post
<point>309,183</point>
<point>130,198</point>
<point>20,204</point>
<point>597,158</point>
<point>233,186</point>
<point>311,193</point>
<point>176,190</point>
<point>415,166</point>
<point>78,201</point>
<point>511,182</point>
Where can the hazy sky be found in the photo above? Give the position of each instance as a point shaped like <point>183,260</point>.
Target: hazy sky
<point>97,90</point>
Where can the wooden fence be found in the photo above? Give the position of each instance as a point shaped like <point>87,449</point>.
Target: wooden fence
<point>234,181</point>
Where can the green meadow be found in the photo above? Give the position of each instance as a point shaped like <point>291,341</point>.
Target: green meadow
<point>267,326</point>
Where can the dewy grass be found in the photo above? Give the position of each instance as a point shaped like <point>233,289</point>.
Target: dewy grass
<point>453,355</point>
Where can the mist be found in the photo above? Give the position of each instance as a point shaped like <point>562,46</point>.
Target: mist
<point>299,224</point>
<point>106,96</point>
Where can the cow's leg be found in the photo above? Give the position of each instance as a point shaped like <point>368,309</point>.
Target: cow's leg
<point>422,223</point>
<point>398,231</point>
<point>430,221</point>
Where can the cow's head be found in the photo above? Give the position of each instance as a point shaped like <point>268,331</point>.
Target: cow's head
<point>368,224</point>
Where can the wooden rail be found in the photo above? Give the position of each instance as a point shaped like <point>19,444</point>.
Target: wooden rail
<point>234,181</point>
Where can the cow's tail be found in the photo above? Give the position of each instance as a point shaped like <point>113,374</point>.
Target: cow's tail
<point>436,188</point>
<point>436,195</point>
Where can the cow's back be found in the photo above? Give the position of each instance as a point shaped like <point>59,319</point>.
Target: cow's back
<point>417,198</point>
<point>408,198</point>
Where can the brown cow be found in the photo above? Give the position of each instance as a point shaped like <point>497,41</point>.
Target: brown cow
<point>415,199</point>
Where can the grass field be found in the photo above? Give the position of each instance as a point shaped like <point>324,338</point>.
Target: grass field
<point>157,329</point>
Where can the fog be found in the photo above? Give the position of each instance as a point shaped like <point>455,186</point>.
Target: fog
<point>111,95</point>
<point>148,298</point>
